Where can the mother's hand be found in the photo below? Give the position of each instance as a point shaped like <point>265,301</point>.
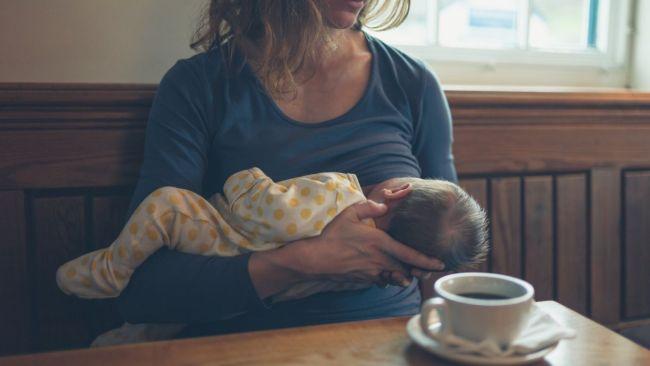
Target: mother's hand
<point>346,251</point>
<point>350,251</point>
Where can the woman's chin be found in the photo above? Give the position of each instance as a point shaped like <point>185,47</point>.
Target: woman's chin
<point>342,20</point>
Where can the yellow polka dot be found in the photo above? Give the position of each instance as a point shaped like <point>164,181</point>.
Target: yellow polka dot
<point>305,192</point>
<point>195,207</point>
<point>339,198</point>
<point>330,185</point>
<point>119,276</point>
<point>305,213</point>
<point>249,206</point>
<point>93,265</point>
<point>255,197</point>
<point>247,217</point>
<point>203,204</point>
<point>109,256</point>
<point>213,233</point>
<point>260,187</point>
<point>292,229</point>
<point>133,228</point>
<point>152,234</point>
<point>103,272</point>
<point>192,234</point>
<point>175,199</point>
<point>260,212</point>
<point>71,272</point>
<point>157,193</point>
<point>278,214</point>
<point>319,225</point>
<point>138,255</point>
<point>293,202</point>
<point>84,261</point>
<point>283,189</point>
<point>204,247</point>
<point>245,243</point>
<point>269,199</point>
<point>167,218</point>
<point>151,208</point>
<point>184,219</point>
<point>320,199</point>
<point>121,251</point>
<point>226,230</point>
<point>331,212</point>
<point>248,186</point>
<point>86,282</point>
<point>235,189</point>
<point>223,247</point>
<point>242,176</point>
<point>352,189</point>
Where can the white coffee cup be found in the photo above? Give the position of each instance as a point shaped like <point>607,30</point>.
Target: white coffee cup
<point>465,314</point>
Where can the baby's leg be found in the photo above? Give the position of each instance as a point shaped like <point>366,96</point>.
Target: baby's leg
<point>175,218</point>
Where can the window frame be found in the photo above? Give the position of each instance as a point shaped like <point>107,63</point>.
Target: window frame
<point>615,57</point>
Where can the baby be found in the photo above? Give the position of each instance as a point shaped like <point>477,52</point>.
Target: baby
<point>435,217</point>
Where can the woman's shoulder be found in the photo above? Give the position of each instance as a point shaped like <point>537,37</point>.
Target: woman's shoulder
<point>203,67</point>
<point>409,72</point>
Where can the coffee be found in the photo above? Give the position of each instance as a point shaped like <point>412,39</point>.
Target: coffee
<point>484,296</point>
<point>465,308</point>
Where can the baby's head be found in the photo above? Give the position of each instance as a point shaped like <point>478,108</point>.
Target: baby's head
<point>435,217</point>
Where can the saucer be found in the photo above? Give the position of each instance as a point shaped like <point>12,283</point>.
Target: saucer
<point>415,333</point>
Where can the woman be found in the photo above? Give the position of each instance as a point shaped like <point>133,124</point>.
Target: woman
<point>293,87</point>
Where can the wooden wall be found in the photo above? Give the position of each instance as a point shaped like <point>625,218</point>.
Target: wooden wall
<point>565,178</point>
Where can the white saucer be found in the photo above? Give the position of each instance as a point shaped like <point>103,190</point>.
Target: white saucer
<point>415,333</point>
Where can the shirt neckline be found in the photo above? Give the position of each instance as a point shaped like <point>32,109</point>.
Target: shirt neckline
<point>369,85</point>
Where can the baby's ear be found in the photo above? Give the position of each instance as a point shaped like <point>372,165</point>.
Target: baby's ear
<point>397,193</point>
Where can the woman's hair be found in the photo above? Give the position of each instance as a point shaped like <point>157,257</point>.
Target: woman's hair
<point>279,38</point>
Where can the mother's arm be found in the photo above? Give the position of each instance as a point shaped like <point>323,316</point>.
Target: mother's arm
<point>171,286</point>
<point>433,136</point>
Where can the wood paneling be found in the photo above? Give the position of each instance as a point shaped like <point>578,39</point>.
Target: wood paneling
<point>68,152</point>
<point>15,299</point>
<point>59,236</point>
<point>637,244</point>
<point>538,238</point>
<point>606,245</point>
<point>571,220</point>
<point>506,226</point>
<point>534,148</point>
<point>87,158</point>
<point>478,188</point>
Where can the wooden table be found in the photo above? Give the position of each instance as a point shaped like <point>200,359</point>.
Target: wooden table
<point>374,342</point>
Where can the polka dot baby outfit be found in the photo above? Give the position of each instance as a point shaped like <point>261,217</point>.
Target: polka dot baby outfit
<point>254,214</point>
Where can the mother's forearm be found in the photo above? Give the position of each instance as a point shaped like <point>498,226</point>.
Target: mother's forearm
<point>175,287</point>
<point>274,271</point>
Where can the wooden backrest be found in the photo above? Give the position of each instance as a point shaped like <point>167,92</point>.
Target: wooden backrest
<point>565,178</point>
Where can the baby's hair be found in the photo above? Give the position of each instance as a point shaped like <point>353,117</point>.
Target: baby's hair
<point>440,219</point>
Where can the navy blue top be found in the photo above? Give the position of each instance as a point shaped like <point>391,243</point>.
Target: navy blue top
<point>207,123</point>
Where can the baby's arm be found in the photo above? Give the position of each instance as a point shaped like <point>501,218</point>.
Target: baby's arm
<point>171,217</point>
<point>289,210</point>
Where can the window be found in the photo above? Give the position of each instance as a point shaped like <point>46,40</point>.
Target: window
<point>568,33</point>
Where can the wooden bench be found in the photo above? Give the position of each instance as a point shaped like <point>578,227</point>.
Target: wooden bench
<point>565,178</point>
